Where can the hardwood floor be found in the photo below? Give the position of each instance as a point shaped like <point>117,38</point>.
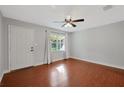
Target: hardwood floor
<point>71,73</point>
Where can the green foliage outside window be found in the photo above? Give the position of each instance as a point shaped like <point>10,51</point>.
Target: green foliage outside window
<point>57,42</point>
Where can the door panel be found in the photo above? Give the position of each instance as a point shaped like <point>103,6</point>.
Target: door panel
<point>21,47</point>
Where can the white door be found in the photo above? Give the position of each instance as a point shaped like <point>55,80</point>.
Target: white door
<point>20,47</point>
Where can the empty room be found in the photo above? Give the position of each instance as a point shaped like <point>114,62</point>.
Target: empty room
<point>61,45</point>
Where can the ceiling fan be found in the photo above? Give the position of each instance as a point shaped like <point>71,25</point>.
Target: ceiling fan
<point>68,22</point>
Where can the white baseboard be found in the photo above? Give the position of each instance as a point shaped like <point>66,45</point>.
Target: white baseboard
<point>57,60</point>
<point>6,71</point>
<point>1,78</point>
<point>38,64</point>
<point>41,63</point>
<point>98,62</point>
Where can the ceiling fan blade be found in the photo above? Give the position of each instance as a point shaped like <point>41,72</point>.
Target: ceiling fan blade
<point>78,20</point>
<point>63,25</point>
<point>73,24</point>
<point>59,21</point>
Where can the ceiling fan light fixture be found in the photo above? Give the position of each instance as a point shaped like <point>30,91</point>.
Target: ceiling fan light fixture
<point>68,25</point>
<point>68,17</point>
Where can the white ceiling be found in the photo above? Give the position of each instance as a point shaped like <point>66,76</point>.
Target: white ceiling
<point>94,15</point>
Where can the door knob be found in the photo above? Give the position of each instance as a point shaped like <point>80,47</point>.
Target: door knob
<point>32,49</point>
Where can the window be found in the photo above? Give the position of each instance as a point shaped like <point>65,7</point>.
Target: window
<point>57,42</point>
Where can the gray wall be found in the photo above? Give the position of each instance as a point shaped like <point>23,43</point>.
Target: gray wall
<point>39,37</point>
<point>1,46</point>
<point>102,45</point>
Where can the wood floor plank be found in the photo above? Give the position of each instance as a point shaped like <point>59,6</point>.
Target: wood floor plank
<point>65,73</point>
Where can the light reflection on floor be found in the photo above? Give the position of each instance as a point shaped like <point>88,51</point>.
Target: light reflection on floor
<point>59,76</point>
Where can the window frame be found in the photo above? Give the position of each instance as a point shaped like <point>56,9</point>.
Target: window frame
<point>57,43</point>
